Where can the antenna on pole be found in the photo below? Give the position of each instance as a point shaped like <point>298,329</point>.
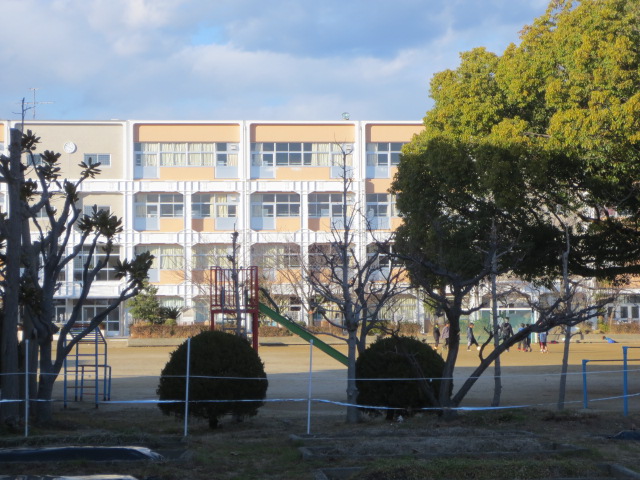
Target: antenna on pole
<point>34,103</point>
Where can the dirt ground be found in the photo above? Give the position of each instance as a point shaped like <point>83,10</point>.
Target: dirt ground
<point>528,378</point>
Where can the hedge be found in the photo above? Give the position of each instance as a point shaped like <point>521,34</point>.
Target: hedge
<point>185,331</point>
<point>166,331</point>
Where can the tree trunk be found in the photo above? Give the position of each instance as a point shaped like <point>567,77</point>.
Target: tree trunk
<point>566,291</point>
<point>563,371</point>
<point>446,387</point>
<point>353,413</point>
<point>9,348</point>
<point>44,406</point>
<point>497,375</point>
<point>48,375</point>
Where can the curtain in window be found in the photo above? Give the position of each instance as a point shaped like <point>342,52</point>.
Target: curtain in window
<point>205,256</point>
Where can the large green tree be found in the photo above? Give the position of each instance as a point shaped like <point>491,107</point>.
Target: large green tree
<point>571,89</point>
<point>518,143</point>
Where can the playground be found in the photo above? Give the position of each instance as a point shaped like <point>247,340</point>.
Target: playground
<point>529,379</point>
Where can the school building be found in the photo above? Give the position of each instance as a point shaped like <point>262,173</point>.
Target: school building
<point>182,188</point>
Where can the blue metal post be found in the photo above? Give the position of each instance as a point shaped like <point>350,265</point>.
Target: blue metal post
<point>585,399</point>
<point>625,383</point>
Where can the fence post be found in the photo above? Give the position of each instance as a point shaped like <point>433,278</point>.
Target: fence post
<point>310,383</point>
<point>625,382</point>
<point>26,388</point>
<point>585,399</point>
<point>186,388</point>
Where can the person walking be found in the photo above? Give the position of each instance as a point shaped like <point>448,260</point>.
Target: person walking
<point>506,331</point>
<point>542,338</point>
<point>436,335</point>
<point>522,344</point>
<point>445,335</point>
<point>471,339</point>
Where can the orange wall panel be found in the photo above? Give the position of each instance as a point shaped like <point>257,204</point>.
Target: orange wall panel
<point>392,132</point>
<point>328,133</point>
<point>171,224</point>
<point>171,277</point>
<point>203,224</point>
<point>320,224</point>
<point>303,173</point>
<point>186,173</point>
<point>395,222</point>
<point>201,277</point>
<point>287,224</point>
<point>378,185</point>
<point>186,133</point>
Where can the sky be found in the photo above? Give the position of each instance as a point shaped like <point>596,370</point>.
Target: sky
<point>302,60</point>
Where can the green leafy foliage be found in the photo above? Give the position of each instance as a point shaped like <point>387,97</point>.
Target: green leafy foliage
<point>549,126</point>
<point>145,307</point>
<point>397,358</point>
<point>214,355</point>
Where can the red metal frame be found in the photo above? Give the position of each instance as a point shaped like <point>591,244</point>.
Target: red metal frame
<point>223,299</point>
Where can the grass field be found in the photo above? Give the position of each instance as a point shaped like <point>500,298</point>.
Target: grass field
<point>262,447</point>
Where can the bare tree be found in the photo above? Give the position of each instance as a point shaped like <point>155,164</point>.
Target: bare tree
<point>359,288</point>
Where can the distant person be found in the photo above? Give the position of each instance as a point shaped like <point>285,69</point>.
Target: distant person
<point>528,343</point>
<point>609,340</point>
<point>506,331</point>
<point>522,344</point>
<point>445,335</point>
<point>471,339</point>
<point>542,339</point>
<point>436,335</point>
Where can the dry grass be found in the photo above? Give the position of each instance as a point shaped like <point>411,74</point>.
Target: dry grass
<point>261,448</point>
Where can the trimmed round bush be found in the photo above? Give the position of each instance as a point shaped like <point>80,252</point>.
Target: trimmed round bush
<point>398,357</point>
<point>214,354</point>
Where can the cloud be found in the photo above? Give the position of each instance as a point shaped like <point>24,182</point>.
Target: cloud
<point>242,59</point>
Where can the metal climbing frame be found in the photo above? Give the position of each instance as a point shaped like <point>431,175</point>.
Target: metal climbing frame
<point>87,366</point>
<point>226,299</point>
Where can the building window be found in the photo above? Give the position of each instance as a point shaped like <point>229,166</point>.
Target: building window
<point>159,204</point>
<point>92,307</point>
<point>275,205</point>
<point>384,154</point>
<point>227,154</point>
<point>107,273</point>
<point>322,255</point>
<point>166,257</point>
<point>327,204</point>
<point>88,209</point>
<point>214,205</point>
<point>380,207</point>
<point>104,159</point>
<point>186,154</point>
<point>32,159</point>
<point>282,154</point>
<point>276,255</point>
<point>209,255</point>
<point>401,308</point>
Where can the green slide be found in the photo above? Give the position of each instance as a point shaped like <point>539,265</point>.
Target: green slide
<point>304,334</point>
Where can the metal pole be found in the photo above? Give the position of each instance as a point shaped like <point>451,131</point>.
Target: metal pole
<point>96,380</point>
<point>625,384</point>
<point>309,391</point>
<point>585,399</point>
<point>26,388</point>
<point>186,388</point>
